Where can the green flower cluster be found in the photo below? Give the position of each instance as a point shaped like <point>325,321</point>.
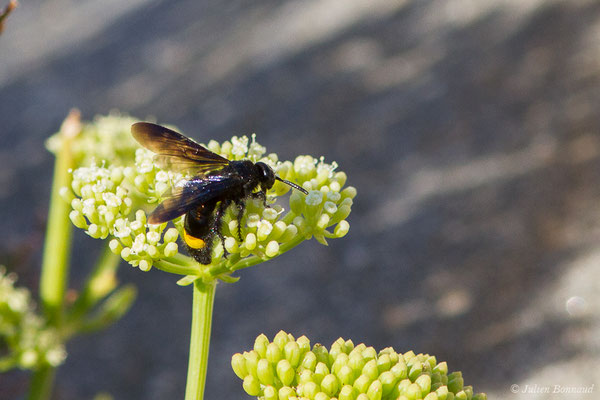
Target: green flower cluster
<point>288,369</point>
<point>25,341</point>
<point>111,193</point>
<point>107,138</point>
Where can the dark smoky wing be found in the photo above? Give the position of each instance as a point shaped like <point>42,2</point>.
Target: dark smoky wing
<point>175,151</point>
<point>192,194</point>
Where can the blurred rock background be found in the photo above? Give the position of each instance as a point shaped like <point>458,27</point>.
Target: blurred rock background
<point>469,127</point>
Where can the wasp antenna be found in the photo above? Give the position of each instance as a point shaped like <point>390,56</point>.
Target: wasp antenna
<point>292,184</point>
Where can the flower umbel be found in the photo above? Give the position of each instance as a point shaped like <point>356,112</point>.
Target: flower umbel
<point>288,368</point>
<point>110,198</point>
<point>25,340</point>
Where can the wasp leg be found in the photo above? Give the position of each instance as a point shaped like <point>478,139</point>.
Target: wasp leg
<point>216,229</point>
<point>262,196</point>
<point>241,205</point>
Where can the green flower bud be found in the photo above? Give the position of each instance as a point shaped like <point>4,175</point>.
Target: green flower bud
<point>424,381</point>
<point>468,390</point>
<point>356,361</point>
<point>270,393</point>
<point>431,396</point>
<point>436,379</point>
<point>285,393</point>
<point>442,392</point>
<point>263,230</point>
<point>250,242</point>
<point>384,363</point>
<point>321,353</point>
<point>400,370</point>
<point>281,339</point>
<point>413,391</point>
<point>369,353</point>
<point>330,385</point>
<point>305,376</point>
<point>339,361</point>
<point>78,219</point>
<point>310,389</point>
<point>346,393</point>
<point>274,353</point>
<point>346,375</point>
<point>289,233</point>
<point>349,192</point>
<point>375,390</point>
<point>251,385</point>
<point>292,353</point>
<point>461,395</point>
<point>441,368</point>
<point>370,369</point>
<point>145,265</point>
<point>170,249</point>
<point>303,343</point>
<point>455,382</point>
<point>285,372</point>
<point>388,382</point>
<point>321,396</point>
<point>252,358</point>
<point>238,363</point>
<point>341,229</point>
<point>272,248</point>
<point>321,371</point>
<point>415,371</point>
<point>431,363</point>
<point>309,361</point>
<point>362,383</point>
<point>264,371</point>
<point>260,345</point>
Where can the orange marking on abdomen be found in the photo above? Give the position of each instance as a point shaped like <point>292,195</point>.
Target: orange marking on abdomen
<point>193,242</point>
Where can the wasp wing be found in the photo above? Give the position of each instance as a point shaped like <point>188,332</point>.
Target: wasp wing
<point>175,151</point>
<point>192,194</point>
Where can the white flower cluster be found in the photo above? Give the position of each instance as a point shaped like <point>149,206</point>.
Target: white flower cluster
<point>29,344</point>
<point>103,203</point>
<point>110,200</point>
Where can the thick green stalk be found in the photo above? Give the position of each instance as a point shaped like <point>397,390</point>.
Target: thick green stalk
<point>57,247</point>
<point>204,296</point>
<point>41,383</point>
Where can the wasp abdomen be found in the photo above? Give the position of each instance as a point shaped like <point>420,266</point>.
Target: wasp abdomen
<point>198,233</point>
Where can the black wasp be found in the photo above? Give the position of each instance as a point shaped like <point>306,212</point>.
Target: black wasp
<point>217,183</point>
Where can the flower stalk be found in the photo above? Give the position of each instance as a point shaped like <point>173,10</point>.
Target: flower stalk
<point>202,310</point>
<point>57,247</point>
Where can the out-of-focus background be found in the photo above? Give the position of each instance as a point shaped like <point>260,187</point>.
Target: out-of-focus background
<point>471,129</point>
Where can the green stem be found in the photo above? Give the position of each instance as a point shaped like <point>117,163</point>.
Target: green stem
<point>204,296</point>
<point>57,247</point>
<point>175,268</point>
<point>41,383</point>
